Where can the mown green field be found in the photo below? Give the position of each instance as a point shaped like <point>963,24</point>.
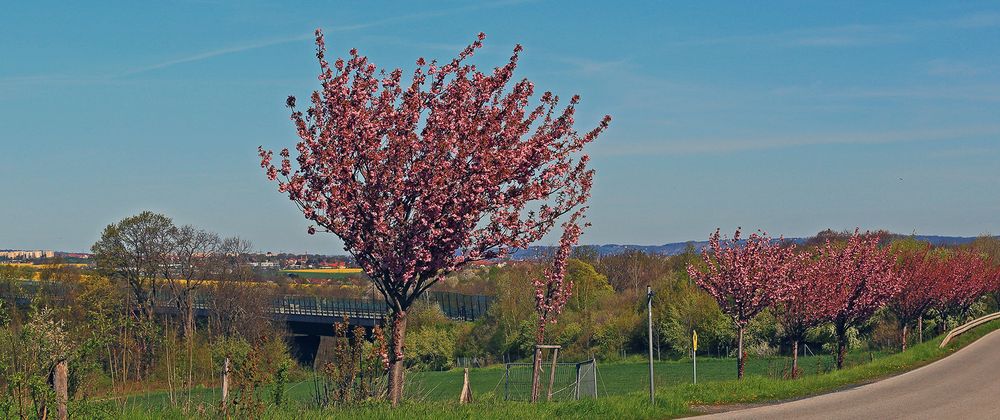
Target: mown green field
<point>616,378</point>
<point>622,386</point>
<point>322,274</point>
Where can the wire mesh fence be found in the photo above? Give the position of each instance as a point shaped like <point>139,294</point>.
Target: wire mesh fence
<point>572,381</point>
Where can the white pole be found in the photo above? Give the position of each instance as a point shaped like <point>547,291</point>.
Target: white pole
<point>695,358</point>
<point>649,307</point>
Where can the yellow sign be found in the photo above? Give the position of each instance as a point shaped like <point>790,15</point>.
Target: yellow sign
<point>694,339</point>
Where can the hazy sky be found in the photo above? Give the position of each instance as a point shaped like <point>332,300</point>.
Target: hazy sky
<point>786,116</point>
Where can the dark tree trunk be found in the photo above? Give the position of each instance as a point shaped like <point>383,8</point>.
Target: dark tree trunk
<point>396,366</point>
<point>795,358</point>
<point>188,315</point>
<point>841,344</point>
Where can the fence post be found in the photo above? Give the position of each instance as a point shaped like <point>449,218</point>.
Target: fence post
<point>506,381</point>
<point>60,381</point>
<point>552,375</point>
<point>225,383</point>
<point>466,396</point>
<point>576,392</point>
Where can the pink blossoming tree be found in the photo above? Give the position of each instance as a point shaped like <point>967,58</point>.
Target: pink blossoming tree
<point>744,278</point>
<point>967,279</point>
<point>859,278</point>
<point>800,306</point>
<point>553,290</point>
<point>419,178</point>
<point>920,275</point>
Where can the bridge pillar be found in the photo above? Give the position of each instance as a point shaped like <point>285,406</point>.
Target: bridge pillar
<point>305,348</point>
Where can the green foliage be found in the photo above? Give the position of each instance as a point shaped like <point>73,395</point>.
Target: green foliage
<point>356,369</point>
<point>29,352</point>
<point>430,349</point>
<point>279,395</point>
<point>589,286</point>
<point>684,307</point>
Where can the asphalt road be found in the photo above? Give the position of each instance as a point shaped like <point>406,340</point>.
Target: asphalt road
<point>964,385</point>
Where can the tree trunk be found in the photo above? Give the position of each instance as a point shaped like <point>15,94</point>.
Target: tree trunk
<point>189,315</point>
<point>396,366</point>
<point>60,383</point>
<point>904,336</point>
<point>740,359</point>
<point>795,359</point>
<point>841,344</point>
<point>536,373</point>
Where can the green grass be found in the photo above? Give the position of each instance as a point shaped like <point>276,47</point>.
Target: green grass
<point>621,386</point>
<point>307,275</point>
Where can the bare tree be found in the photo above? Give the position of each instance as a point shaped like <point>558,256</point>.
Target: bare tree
<point>191,255</point>
<point>240,305</point>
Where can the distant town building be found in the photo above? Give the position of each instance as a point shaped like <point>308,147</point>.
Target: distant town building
<point>265,264</point>
<point>26,255</point>
<point>333,264</point>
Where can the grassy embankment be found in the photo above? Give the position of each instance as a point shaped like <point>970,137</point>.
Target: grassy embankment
<point>621,386</point>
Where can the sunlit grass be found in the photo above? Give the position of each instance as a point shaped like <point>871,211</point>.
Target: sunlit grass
<point>434,394</point>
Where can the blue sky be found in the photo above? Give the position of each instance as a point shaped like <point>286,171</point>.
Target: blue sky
<point>786,116</point>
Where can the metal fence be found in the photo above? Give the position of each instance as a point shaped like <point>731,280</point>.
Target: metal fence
<point>573,381</point>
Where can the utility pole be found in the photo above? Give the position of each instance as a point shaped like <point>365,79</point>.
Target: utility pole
<point>649,311</point>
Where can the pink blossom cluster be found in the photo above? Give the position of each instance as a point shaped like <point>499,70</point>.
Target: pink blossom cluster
<point>745,277</point>
<point>423,176</point>
<point>552,291</point>
<point>966,277</point>
<point>856,278</point>
<point>920,273</point>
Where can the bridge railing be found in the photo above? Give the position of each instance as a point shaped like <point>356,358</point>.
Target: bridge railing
<point>455,306</point>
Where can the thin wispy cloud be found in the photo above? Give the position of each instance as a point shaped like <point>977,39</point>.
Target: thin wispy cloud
<point>589,66</point>
<point>853,35</point>
<point>215,53</point>
<point>945,67</point>
<point>973,93</point>
<point>298,38</point>
<point>764,142</point>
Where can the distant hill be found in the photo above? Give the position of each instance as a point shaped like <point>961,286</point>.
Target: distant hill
<point>678,247</point>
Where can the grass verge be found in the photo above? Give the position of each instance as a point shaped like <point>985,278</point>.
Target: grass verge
<point>671,401</point>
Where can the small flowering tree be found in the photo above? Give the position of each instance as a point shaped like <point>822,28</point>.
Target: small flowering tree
<point>422,177</point>
<point>967,279</point>
<point>800,306</point>
<point>920,274</point>
<point>552,291</point>
<point>859,278</point>
<point>744,278</point>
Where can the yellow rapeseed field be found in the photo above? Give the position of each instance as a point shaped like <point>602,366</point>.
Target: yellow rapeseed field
<point>325,270</point>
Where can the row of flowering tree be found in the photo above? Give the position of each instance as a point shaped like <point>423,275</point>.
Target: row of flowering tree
<point>841,283</point>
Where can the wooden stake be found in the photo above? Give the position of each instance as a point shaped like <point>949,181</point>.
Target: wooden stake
<point>552,375</point>
<point>466,396</point>
<point>60,383</point>
<point>225,382</point>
